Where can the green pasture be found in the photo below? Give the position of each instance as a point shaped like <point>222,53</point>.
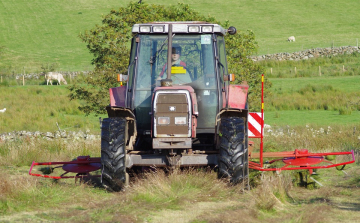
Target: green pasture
<point>45,33</point>
<point>313,117</point>
<point>332,66</point>
<point>288,85</point>
<point>320,101</point>
<point>37,33</point>
<point>42,108</point>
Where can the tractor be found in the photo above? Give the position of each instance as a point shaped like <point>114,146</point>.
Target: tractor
<point>183,114</point>
<point>178,109</point>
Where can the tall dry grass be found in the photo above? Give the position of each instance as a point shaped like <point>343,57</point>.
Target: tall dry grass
<point>22,152</point>
<point>272,194</point>
<point>179,187</point>
<point>157,189</point>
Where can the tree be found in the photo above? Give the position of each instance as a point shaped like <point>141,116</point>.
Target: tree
<point>110,45</point>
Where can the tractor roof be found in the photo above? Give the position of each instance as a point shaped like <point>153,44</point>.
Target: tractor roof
<point>191,27</point>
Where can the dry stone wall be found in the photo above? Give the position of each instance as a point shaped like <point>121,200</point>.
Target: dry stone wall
<point>307,54</point>
<point>65,135</point>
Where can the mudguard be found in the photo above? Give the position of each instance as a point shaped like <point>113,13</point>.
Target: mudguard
<point>117,109</point>
<point>238,96</point>
<point>117,96</point>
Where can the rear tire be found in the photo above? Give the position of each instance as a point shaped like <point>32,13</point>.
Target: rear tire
<point>233,149</point>
<point>113,153</point>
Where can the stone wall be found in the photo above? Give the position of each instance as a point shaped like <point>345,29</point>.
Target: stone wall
<point>65,135</point>
<point>306,54</point>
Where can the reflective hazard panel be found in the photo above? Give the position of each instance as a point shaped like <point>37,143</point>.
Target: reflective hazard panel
<point>255,124</point>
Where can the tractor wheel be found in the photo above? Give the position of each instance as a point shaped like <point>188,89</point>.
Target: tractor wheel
<point>113,154</point>
<point>233,149</point>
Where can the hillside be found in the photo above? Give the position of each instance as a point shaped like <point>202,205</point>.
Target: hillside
<point>36,33</point>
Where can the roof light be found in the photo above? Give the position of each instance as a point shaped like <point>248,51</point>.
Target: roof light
<point>145,29</point>
<point>207,29</point>
<point>194,29</point>
<point>158,29</point>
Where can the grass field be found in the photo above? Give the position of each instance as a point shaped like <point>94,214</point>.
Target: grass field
<point>313,117</point>
<point>305,110</point>
<point>39,108</point>
<point>36,33</point>
<point>192,195</point>
<point>288,85</point>
<point>323,101</point>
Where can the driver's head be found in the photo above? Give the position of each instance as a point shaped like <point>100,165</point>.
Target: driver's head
<point>176,50</point>
<point>175,53</point>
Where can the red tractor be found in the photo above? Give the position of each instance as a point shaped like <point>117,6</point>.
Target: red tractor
<point>185,114</point>
<point>178,109</point>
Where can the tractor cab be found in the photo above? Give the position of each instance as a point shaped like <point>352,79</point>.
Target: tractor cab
<point>196,57</point>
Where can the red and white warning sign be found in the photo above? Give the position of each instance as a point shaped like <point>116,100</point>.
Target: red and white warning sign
<point>254,124</point>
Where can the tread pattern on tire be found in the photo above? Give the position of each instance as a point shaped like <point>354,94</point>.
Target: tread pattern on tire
<point>113,153</point>
<point>233,149</point>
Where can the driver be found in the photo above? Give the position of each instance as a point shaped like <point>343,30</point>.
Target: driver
<point>175,59</point>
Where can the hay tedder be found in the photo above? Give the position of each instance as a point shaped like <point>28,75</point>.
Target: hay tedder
<point>186,114</point>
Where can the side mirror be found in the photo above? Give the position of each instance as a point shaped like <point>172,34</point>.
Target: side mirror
<point>122,77</point>
<point>232,30</point>
<point>230,77</point>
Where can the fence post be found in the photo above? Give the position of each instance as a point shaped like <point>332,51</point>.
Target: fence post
<point>1,79</point>
<point>270,70</point>
<point>295,70</point>
<point>319,71</point>
<point>23,80</point>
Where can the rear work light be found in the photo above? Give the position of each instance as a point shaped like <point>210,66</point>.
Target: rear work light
<point>193,29</point>
<point>145,29</point>
<point>163,120</point>
<point>158,29</point>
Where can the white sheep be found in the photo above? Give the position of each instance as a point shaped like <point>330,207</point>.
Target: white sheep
<point>291,39</point>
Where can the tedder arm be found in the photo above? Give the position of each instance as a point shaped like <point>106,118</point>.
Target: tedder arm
<point>82,166</point>
<point>294,160</point>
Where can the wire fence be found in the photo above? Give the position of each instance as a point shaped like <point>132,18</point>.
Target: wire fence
<point>39,78</point>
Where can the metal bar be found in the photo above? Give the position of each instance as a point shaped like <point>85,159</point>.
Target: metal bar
<point>293,154</point>
<point>262,121</point>
<point>161,160</point>
<point>169,52</point>
<point>256,166</point>
<point>302,167</point>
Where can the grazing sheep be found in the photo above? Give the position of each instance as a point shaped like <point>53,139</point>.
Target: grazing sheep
<point>291,39</point>
<point>3,110</point>
<point>50,76</point>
